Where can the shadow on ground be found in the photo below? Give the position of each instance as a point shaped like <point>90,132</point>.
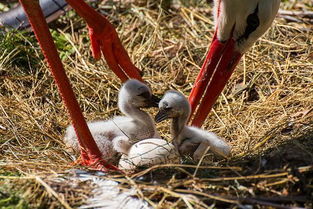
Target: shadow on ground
<point>280,176</point>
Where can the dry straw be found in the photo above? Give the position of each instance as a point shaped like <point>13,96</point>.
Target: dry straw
<point>265,111</point>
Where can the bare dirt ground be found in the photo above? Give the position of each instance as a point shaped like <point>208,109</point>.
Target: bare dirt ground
<point>265,111</point>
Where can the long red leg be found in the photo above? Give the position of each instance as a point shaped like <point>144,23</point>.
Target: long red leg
<point>90,152</point>
<point>205,73</point>
<point>104,38</point>
<point>223,71</point>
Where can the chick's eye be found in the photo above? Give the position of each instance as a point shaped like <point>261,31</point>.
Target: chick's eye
<point>168,108</point>
<point>165,106</point>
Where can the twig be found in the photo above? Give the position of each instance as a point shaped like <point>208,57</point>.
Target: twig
<point>303,14</point>
<point>16,177</point>
<point>277,182</point>
<point>214,197</point>
<point>184,166</point>
<point>262,176</point>
<point>290,18</point>
<point>200,161</point>
<point>50,190</point>
<point>185,197</point>
<point>294,16</point>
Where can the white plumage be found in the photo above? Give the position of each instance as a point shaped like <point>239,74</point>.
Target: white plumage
<point>232,21</point>
<point>119,133</point>
<point>104,192</point>
<point>108,195</point>
<point>188,139</point>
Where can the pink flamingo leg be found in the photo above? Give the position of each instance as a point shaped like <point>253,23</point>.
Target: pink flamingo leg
<point>90,153</point>
<point>104,38</point>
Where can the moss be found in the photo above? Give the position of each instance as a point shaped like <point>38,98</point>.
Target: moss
<point>19,51</point>
<point>10,198</point>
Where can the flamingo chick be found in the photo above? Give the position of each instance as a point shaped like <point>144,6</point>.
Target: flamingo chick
<point>116,135</point>
<point>188,139</point>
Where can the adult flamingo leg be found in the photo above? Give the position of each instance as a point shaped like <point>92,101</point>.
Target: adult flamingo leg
<point>104,38</point>
<point>89,151</point>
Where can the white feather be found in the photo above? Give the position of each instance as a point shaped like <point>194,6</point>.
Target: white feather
<point>189,139</point>
<point>234,13</point>
<point>135,126</point>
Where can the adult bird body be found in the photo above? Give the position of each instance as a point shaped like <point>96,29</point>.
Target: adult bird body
<point>238,24</point>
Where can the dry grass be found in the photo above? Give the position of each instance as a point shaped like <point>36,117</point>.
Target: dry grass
<point>265,112</point>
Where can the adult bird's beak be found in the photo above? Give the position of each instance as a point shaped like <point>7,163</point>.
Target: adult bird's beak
<point>218,66</point>
<point>161,115</point>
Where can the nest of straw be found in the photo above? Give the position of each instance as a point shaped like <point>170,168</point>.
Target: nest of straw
<point>265,111</point>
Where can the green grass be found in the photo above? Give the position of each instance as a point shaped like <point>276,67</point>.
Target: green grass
<point>18,51</point>
<point>11,200</point>
<point>65,49</point>
<point>10,197</point>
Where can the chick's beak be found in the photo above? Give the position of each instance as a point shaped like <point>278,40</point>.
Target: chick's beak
<point>154,101</point>
<point>161,115</point>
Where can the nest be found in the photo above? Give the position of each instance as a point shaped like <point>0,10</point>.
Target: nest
<point>265,112</point>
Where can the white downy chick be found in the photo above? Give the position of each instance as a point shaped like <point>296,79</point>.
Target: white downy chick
<point>116,135</point>
<point>188,139</point>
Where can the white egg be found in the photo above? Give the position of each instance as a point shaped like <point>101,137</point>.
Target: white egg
<point>149,152</point>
